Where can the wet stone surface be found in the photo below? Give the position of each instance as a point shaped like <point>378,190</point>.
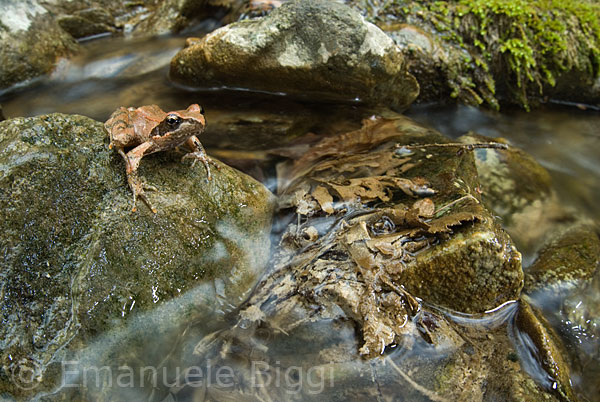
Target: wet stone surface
<point>78,262</point>
<point>309,48</point>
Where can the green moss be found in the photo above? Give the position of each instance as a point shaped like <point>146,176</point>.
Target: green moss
<point>524,44</point>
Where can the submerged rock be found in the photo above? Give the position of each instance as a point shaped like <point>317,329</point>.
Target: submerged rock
<point>311,48</point>
<point>387,232</point>
<point>545,350</point>
<point>573,254</point>
<point>518,190</point>
<point>579,323</point>
<point>77,262</point>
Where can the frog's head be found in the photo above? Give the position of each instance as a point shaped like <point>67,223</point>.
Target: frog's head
<point>179,125</point>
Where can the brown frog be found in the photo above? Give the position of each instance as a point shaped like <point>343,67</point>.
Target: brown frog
<point>149,129</point>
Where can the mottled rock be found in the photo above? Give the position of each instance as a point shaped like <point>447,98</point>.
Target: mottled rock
<point>77,262</point>
<point>315,48</point>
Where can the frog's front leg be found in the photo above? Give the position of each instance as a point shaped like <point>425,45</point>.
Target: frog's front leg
<point>199,155</point>
<point>137,185</point>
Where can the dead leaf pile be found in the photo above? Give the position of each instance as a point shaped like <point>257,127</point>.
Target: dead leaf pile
<point>366,211</point>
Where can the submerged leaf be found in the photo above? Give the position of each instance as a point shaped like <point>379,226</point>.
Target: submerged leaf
<point>424,207</point>
<point>324,199</point>
<point>378,187</point>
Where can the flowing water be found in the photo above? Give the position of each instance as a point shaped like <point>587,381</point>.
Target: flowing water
<point>116,72</point>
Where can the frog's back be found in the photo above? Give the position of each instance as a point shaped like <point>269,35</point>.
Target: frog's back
<point>126,127</point>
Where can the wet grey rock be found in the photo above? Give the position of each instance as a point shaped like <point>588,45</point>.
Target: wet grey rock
<point>311,48</point>
<point>77,262</point>
<point>31,42</point>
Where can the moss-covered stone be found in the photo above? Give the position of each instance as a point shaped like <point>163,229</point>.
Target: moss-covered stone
<point>76,260</point>
<point>312,48</point>
<point>572,254</point>
<point>512,51</point>
<point>547,350</point>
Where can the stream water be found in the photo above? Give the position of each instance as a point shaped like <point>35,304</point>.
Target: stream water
<point>114,72</point>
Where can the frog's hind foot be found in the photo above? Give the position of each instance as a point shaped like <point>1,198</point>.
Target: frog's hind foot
<point>138,187</point>
<point>205,159</point>
<point>146,201</point>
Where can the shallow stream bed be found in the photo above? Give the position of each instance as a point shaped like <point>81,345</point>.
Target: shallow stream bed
<point>242,126</point>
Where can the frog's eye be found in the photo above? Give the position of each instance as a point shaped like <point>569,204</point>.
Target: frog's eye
<point>173,120</point>
<point>201,109</point>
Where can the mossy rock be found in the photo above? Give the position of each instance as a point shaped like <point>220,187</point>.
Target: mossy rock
<point>572,255</point>
<point>77,261</point>
<point>497,52</point>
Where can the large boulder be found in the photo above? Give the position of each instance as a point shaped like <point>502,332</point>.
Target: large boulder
<point>78,262</point>
<point>311,48</point>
